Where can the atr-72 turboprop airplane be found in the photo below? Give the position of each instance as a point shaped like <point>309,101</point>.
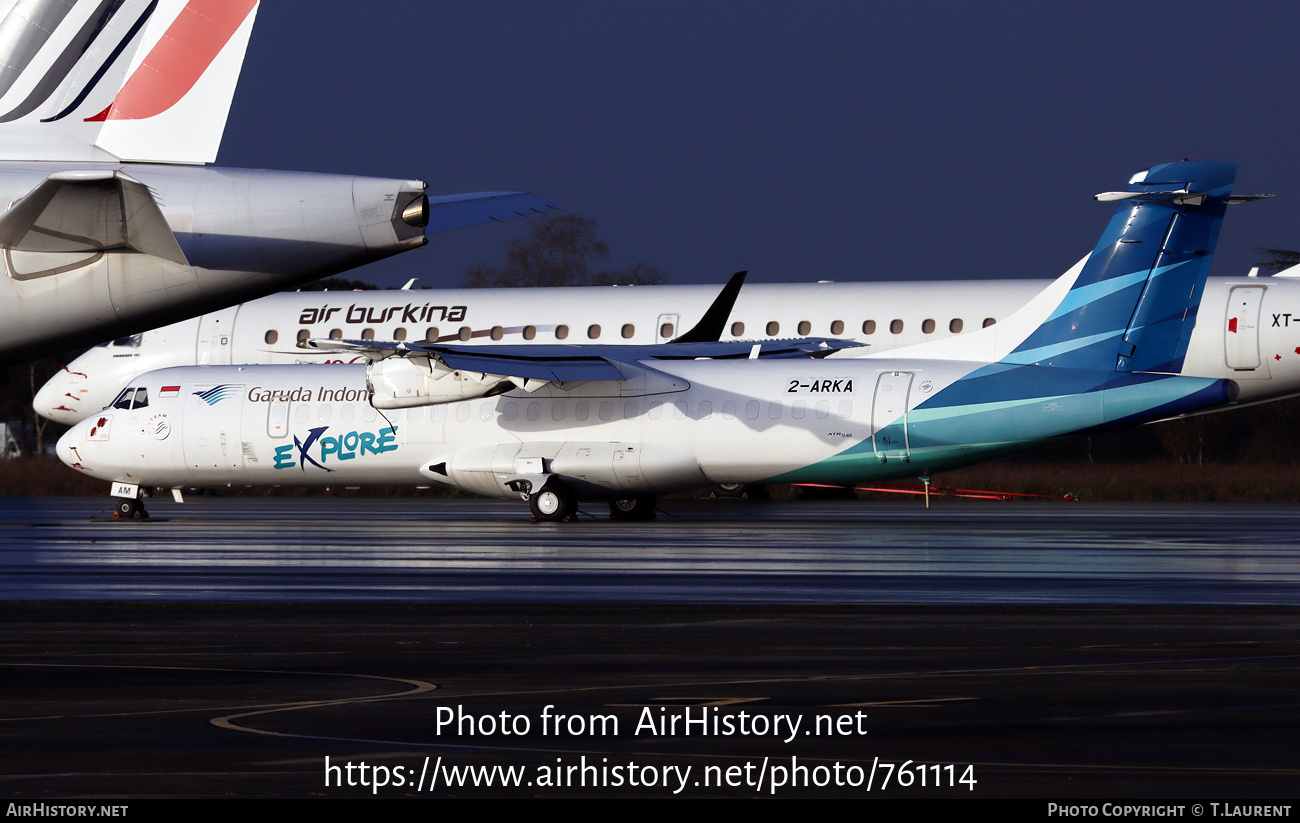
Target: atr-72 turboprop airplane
<point>108,111</point>
<point>1107,344</point>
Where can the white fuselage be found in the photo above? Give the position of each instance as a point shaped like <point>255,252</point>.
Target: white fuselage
<point>273,330</point>
<point>243,232</point>
<point>883,316</point>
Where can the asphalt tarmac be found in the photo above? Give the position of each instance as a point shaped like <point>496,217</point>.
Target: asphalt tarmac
<point>227,647</point>
<point>271,550</point>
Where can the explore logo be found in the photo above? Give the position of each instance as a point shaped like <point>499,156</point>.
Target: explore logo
<point>347,446</point>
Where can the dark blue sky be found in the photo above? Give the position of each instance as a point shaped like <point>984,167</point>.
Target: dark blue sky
<point>838,140</point>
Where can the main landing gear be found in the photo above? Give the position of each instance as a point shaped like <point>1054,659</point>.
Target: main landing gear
<point>557,503</point>
<point>632,508</point>
<point>130,508</point>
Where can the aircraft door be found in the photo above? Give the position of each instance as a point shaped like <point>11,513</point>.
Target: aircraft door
<point>211,431</point>
<point>216,338</point>
<point>277,419</point>
<point>889,416</point>
<point>667,328</point>
<point>1241,340</point>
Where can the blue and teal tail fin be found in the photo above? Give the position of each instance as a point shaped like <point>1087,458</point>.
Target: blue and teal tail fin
<point>1133,306</point>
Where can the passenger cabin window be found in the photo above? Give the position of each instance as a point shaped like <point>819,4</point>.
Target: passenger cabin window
<point>530,332</point>
<point>336,334</point>
<point>837,327</point>
<point>303,336</point>
<point>955,326</point>
<point>868,326</point>
<point>737,329</point>
<point>896,327</point>
<point>773,328</point>
<point>498,332</point>
<point>666,330</point>
<point>367,334</point>
<point>465,333</point>
<point>805,327</point>
<point>927,326</point>
<point>271,337</point>
<point>399,334</point>
<point>561,332</point>
<point>431,334</point>
<point>989,321</point>
<point>629,331</point>
<point>593,331</point>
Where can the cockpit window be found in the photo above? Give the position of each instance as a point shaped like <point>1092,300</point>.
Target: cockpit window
<point>132,341</point>
<point>132,398</point>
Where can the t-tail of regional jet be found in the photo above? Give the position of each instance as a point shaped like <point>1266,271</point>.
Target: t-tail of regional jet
<point>108,111</point>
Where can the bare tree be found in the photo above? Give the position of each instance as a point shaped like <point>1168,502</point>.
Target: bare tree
<point>563,250</point>
<point>1278,260</point>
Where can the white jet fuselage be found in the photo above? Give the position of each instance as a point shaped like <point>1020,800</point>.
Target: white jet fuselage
<point>884,316</point>
<point>243,233</point>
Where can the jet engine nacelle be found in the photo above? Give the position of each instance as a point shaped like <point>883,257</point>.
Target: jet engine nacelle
<point>403,382</point>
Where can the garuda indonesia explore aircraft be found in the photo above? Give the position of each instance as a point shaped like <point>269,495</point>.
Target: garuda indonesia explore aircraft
<point>1102,346</point>
<point>108,109</point>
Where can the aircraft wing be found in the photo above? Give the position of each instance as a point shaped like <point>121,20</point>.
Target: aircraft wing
<point>456,211</point>
<point>92,210</point>
<point>576,363</point>
<point>404,374</point>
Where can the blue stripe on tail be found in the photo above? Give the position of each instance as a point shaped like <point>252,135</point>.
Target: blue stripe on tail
<point>1134,304</point>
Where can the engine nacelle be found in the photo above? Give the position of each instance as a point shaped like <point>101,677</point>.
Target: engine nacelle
<point>593,469</point>
<point>403,382</point>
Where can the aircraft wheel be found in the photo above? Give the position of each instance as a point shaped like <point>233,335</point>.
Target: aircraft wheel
<point>632,508</point>
<point>553,504</point>
<point>729,490</point>
<point>750,491</point>
<point>128,508</point>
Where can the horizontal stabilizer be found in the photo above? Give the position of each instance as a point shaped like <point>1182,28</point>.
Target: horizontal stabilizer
<point>80,211</point>
<point>456,211</point>
<point>1178,198</point>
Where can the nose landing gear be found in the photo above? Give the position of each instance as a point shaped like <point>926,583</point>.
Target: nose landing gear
<point>553,504</point>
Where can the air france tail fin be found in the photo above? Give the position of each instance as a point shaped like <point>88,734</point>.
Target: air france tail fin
<point>1133,304</point>
<point>119,80</point>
